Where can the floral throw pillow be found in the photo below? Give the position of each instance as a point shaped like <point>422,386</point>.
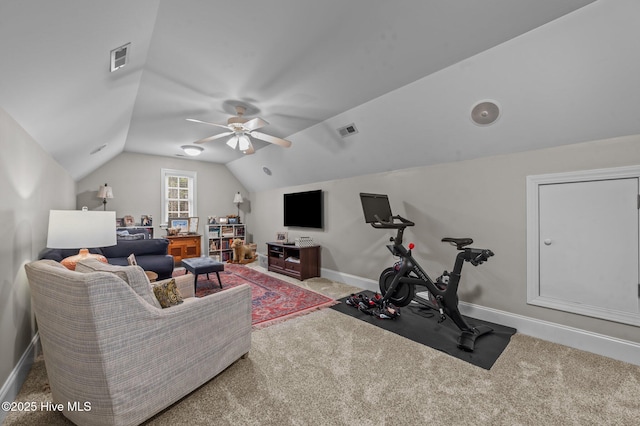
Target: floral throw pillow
<point>167,294</point>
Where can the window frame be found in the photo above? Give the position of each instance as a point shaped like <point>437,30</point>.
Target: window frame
<point>193,195</point>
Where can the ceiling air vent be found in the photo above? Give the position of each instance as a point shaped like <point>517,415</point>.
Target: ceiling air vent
<point>120,57</point>
<point>348,130</point>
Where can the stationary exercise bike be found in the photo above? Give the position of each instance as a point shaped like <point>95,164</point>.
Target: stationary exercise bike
<point>398,283</point>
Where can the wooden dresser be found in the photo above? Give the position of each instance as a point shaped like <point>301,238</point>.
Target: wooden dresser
<point>183,247</point>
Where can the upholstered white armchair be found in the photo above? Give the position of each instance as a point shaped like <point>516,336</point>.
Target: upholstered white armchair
<point>109,346</point>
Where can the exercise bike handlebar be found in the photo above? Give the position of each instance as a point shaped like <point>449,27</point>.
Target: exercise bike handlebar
<point>392,224</point>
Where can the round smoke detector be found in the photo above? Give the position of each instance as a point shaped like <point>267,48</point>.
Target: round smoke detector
<point>485,113</point>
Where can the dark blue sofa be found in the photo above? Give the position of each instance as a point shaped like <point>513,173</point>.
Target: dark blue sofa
<point>151,254</point>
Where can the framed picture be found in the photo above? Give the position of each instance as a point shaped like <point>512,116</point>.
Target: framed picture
<point>211,220</point>
<point>232,220</point>
<point>128,220</point>
<point>146,220</point>
<point>181,223</point>
<point>193,225</point>
<point>281,237</point>
<point>119,222</point>
<point>222,220</point>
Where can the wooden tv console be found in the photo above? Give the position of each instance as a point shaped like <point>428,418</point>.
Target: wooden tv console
<point>296,262</point>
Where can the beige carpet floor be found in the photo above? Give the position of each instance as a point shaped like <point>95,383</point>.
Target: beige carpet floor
<point>327,368</point>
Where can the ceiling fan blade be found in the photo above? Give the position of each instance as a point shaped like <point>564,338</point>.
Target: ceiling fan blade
<point>255,123</point>
<point>210,124</point>
<point>214,137</point>
<point>271,139</point>
<point>250,150</point>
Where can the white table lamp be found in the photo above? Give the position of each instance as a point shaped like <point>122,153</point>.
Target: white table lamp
<point>237,200</point>
<point>105,192</point>
<point>72,229</point>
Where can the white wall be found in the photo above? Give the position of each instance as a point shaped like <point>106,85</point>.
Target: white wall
<point>484,199</point>
<point>31,184</point>
<point>136,182</point>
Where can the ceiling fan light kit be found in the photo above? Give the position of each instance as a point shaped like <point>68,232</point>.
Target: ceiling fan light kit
<point>233,142</point>
<point>243,142</point>
<point>241,131</point>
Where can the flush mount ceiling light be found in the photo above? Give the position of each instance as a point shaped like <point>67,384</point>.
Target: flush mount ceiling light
<point>192,150</point>
<point>485,112</point>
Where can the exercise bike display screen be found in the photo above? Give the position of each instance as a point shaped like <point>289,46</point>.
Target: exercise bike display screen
<point>375,205</point>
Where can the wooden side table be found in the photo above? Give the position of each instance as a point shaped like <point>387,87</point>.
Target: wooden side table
<point>151,275</point>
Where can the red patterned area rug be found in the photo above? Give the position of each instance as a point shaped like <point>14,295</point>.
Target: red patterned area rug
<point>273,300</point>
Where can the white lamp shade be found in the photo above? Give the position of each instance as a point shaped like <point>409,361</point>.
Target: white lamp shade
<point>74,229</point>
<point>105,192</point>
<point>233,142</point>
<point>244,142</point>
<point>237,199</point>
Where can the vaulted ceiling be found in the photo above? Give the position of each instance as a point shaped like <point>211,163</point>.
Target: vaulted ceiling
<point>306,67</point>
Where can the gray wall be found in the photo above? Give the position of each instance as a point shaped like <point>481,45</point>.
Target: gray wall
<point>484,199</point>
<point>31,183</point>
<point>136,182</point>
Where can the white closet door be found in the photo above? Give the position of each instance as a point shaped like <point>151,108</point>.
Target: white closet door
<point>588,243</point>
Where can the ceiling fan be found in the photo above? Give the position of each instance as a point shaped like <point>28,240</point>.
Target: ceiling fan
<point>241,131</point>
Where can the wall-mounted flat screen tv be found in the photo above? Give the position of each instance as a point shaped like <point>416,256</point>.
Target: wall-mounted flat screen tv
<point>303,209</point>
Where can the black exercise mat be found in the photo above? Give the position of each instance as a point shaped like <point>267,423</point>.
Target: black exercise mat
<point>420,324</point>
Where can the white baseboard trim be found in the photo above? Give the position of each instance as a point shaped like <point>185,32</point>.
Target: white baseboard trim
<point>611,347</point>
<point>600,344</point>
<point>14,382</point>
<point>354,280</point>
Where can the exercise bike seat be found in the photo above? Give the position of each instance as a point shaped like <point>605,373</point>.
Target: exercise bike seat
<point>460,243</point>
